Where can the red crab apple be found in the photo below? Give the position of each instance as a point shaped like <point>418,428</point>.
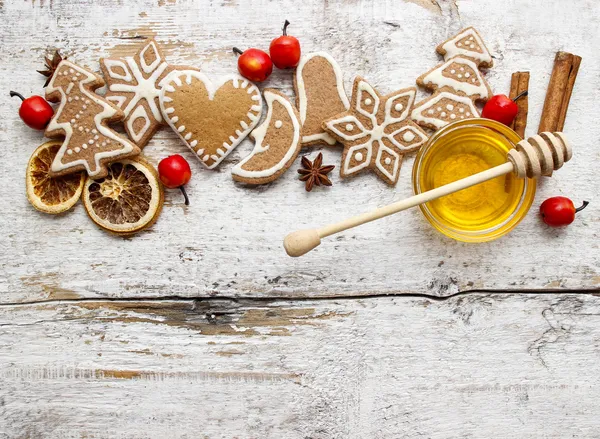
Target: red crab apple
<point>174,172</point>
<point>35,111</point>
<point>254,64</point>
<point>285,50</point>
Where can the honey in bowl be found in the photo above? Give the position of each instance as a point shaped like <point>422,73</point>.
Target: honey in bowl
<point>482,212</point>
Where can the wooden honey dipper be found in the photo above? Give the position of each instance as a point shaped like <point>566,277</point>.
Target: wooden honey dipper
<point>539,155</point>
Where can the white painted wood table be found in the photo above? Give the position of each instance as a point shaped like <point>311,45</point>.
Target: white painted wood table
<point>202,327</point>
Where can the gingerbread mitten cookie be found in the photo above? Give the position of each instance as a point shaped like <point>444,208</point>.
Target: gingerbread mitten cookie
<point>82,118</point>
<point>211,120</point>
<point>376,131</point>
<point>277,142</point>
<point>319,87</point>
<point>133,85</point>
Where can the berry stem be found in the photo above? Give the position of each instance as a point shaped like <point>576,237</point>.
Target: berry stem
<point>583,206</point>
<point>14,93</point>
<point>285,25</point>
<point>185,195</point>
<point>520,95</point>
<point>237,51</point>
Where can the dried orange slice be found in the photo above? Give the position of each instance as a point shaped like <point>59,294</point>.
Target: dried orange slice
<point>48,194</point>
<point>127,200</point>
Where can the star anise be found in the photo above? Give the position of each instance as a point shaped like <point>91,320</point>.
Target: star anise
<point>315,174</point>
<point>51,66</point>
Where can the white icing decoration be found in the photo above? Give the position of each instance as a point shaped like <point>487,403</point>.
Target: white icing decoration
<point>169,110</point>
<point>351,120</point>
<point>451,49</point>
<point>387,161</point>
<point>111,64</point>
<point>443,114</point>
<point>436,78</point>
<point>70,87</point>
<point>278,124</point>
<point>378,162</point>
<point>138,113</point>
<point>188,136</point>
<point>453,116</point>
<point>244,125</point>
<point>189,75</point>
<point>418,116</point>
<point>408,136</point>
<point>366,87</point>
<point>449,107</point>
<point>411,93</point>
<point>259,135</point>
<point>69,151</point>
<point>358,156</point>
<point>352,152</point>
<point>175,119</point>
<point>149,68</point>
<point>77,149</point>
<point>349,127</point>
<point>408,133</point>
<point>107,112</point>
<point>181,129</point>
<point>302,99</point>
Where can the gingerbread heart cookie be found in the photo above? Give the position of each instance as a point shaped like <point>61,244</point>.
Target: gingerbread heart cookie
<point>212,120</point>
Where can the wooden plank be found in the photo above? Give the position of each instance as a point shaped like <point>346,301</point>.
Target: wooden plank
<point>228,242</point>
<point>476,366</point>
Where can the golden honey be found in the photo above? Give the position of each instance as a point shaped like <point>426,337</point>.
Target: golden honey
<point>482,212</point>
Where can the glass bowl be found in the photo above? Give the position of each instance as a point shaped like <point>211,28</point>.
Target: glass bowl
<point>481,213</point>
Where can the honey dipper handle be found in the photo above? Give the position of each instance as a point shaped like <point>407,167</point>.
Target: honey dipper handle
<point>415,200</point>
<point>303,241</point>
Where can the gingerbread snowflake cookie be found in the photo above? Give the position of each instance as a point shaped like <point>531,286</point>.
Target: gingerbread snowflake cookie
<point>376,131</point>
<point>461,75</point>
<point>319,87</point>
<point>212,120</point>
<point>82,119</point>
<point>468,43</point>
<point>133,85</point>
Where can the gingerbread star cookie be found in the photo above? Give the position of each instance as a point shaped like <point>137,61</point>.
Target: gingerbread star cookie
<point>211,119</point>
<point>376,131</point>
<point>468,43</point>
<point>82,120</point>
<point>133,85</point>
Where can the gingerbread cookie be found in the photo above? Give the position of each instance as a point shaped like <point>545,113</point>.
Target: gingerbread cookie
<point>319,87</point>
<point>210,119</point>
<point>82,118</point>
<point>376,131</point>
<point>442,108</point>
<point>468,43</point>
<point>133,85</point>
<point>277,142</point>
<point>461,75</point>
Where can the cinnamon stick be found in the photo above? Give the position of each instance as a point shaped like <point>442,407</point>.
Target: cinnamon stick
<point>518,84</point>
<point>560,88</point>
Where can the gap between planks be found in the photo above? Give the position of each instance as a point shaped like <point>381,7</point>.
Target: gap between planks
<point>248,300</point>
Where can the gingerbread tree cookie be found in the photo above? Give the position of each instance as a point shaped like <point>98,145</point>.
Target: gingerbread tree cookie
<point>457,82</point>
<point>468,43</point>
<point>82,118</point>
<point>376,132</point>
<point>134,85</point>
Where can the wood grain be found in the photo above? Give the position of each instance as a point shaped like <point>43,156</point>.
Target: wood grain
<point>474,366</point>
<point>238,251</point>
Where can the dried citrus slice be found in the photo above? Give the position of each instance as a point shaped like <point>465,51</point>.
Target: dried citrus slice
<point>127,200</point>
<point>48,194</point>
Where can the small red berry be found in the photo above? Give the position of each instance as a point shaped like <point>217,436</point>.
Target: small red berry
<point>174,172</point>
<point>35,111</point>
<point>254,64</point>
<point>559,211</point>
<point>501,108</point>
<point>285,50</point>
